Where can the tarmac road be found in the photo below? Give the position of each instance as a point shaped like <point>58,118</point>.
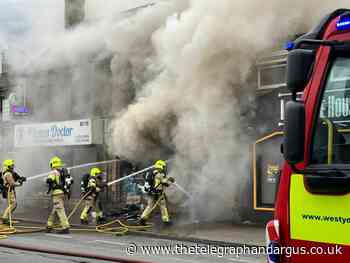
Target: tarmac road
<point>142,248</point>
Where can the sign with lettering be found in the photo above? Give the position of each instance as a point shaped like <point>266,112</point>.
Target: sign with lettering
<point>76,132</point>
<point>336,105</point>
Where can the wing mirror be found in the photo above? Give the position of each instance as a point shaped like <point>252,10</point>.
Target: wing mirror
<point>294,132</point>
<point>299,66</point>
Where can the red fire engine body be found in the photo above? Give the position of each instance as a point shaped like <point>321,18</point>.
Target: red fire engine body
<point>312,210</point>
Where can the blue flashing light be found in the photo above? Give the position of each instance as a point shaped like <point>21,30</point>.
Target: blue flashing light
<point>289,45</point>
<point>343,23</point>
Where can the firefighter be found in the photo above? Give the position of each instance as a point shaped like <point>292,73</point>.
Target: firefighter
<point>10,180</point>
<point>59,182</point>
<point>91,186</point>
<point>155,185</point>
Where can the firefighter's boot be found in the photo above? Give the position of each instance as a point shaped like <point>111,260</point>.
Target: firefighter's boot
<point>143,221</point>
<point>64,231</point>
<point>5,221</point>
<point>84,221</point>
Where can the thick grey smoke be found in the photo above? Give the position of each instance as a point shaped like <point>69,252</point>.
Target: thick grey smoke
<point>65,72</point>
<point>179,78</point>
<point>198,62</point>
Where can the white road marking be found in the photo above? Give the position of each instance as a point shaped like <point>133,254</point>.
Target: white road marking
<point>61,236</point>
<point>110,242</point>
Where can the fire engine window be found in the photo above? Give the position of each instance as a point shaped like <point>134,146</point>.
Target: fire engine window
<point>332,137</point>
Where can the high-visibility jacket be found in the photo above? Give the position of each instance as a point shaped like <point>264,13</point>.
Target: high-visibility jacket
<point>56,183</point>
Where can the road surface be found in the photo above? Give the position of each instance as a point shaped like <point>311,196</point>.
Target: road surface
<point>133,247</point>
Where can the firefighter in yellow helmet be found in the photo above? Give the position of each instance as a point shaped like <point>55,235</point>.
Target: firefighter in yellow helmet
<point>59,182</point>
<point>155,184</point>
<point>91,185</point>
<point>10,180</point>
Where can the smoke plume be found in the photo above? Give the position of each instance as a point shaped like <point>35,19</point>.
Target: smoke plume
<point>198,62</point>
<point>179,82</point>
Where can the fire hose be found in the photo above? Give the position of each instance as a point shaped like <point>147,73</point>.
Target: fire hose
<point>104,228</point>
<point>107,228</point>
<point>6,231</point>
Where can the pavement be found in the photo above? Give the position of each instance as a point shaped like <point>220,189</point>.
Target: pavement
<point>186,243</point>
<point>207,233</point>
<point>224,233</point>
<point>129,247</point>
<point>221,233</point>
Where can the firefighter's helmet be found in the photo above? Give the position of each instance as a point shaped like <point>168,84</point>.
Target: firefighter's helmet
<point>95,172</point>
<point>56,162</point>
<point>160,164</point>
<point>8,164</point>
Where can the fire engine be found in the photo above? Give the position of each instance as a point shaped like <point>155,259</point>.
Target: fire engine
<point>312,210</point>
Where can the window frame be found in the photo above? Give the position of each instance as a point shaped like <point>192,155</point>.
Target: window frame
<point>282,66</point>
<point>333,55</point>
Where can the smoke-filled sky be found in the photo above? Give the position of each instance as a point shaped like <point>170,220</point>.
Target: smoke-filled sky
<point>18,16</point>
<point>180,73</point>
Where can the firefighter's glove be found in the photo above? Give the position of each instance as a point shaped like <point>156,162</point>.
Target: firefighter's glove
<point>171,179</point>
<point>23,179</point>
<point>146,188</point>
<point>49,181</point>
<point>91,190</point>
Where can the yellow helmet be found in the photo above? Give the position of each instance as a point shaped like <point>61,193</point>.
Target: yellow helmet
<point>56,162</point>
<point>95,171</point>
<point>160,164</point>
<point>8,164</point>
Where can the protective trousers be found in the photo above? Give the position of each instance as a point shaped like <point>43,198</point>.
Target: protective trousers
<point>11,205</point>
<point>91,203</point>
<point>58,210</point>
<point>152,202</point>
